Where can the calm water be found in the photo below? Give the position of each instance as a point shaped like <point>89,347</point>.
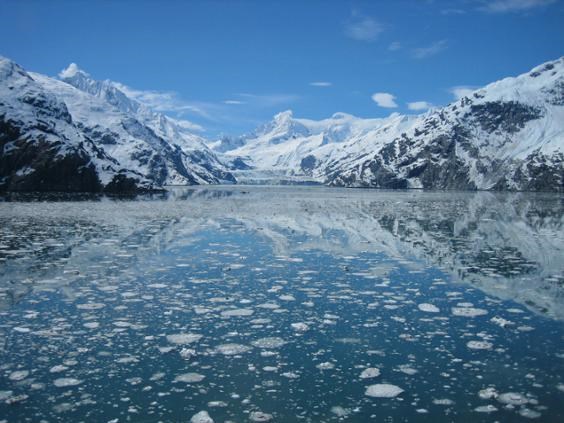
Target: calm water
<point>290,304</point>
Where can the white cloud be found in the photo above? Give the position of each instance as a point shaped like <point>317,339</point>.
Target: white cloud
<point>396,45</point>
<point>386,100</point>
<point>233,102</point>
<point>320,84</point>
<point>504,6</point>
<point>363,28</point>
<point>431,50</point>
<point>462,91</point>
<point>419,105</point>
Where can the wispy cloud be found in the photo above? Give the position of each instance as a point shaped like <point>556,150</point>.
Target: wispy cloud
<point>320,84</point>
<point>162,101</point>
<point>430,50</point>
<point>386,100</point>
<point>505,6</point>
<point>419,105</point>
<point>396,45</point>
<point>363,28</point>
<point>236,110</point>
<point>460,91</point>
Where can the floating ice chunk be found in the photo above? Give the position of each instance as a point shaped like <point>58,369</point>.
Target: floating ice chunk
<point>91,325</point>
<point>479,345</point>
<point>157,376</point>
<point>90,306</point>
<point>528,413</point>
<point>21,329</point>
<point>443,401</point>
<point>63,382</point>
<point>291,375</point>
<point>187,353</point>
<point>201,417</point>
<point>525,328</point>
<point>488,393</point>
<point>428,308</point>
<point>259,416</point>
<point>157,285</point>
<point>468,311</point>
<point>5,394</point>
<point>189,378</point>
<point>270,342</point>
<point>485,409</point>
<point>340,411</point>
<point>500,321</point>
<point>287,297</point>
<point>300,327</point>
<point>383,390</point>
<point>213,404</point>
<point>560,387</point>
<point>369,373</point>
<point>58,368</point>
<point>18,375</point>
<point>15,399</point>
<point>269,306</point>
<point>325,366</point>
<point>183,338</point>
<point>238,312</point>
<point>232,349</point>
<point>406,369</point>
<point>513,398</point>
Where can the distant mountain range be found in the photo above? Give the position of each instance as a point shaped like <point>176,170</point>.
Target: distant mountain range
<point>78,134</point>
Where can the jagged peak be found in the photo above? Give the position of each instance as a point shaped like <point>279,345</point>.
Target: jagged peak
<point>72,71</point>
<point>283,116</point>
<point>9,67</point>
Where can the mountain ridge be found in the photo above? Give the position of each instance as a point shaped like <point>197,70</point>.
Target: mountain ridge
<point>508,135</point>
<point>91,137</point>
<point>76,133</point>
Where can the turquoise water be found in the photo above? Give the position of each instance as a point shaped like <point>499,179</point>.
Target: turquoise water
<point>288,304</point>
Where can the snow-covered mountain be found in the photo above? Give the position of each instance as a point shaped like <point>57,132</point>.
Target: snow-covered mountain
<point>508,135</point>
<point>78,134</point>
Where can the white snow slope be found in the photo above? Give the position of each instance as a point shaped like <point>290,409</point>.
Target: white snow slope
<point>508,135</point>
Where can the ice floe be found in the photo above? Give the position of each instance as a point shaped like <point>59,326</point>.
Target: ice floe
<point>383,390</point>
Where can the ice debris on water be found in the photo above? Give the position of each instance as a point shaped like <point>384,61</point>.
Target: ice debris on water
<point>232,349</point>
<point>479,345</point>
<point>183,338</point>
<point>259,416</point>
<point>269,342</point>
<point>383,390</point>
<point>189,378</point>
<point>428,308</point>
<point>201,417</point>
<point>63,382</point>
<point>369,373</point>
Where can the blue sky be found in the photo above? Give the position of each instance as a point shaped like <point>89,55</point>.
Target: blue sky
<point>230,65</point>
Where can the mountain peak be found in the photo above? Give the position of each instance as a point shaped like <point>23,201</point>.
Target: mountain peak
<point>283,116</point>
<point>71,71</point>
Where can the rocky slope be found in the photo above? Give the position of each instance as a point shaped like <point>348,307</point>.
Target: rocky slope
<point>60,136</point>
<point>508,135</point>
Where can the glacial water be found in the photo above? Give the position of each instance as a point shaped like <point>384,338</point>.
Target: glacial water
<point>284,304</point>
